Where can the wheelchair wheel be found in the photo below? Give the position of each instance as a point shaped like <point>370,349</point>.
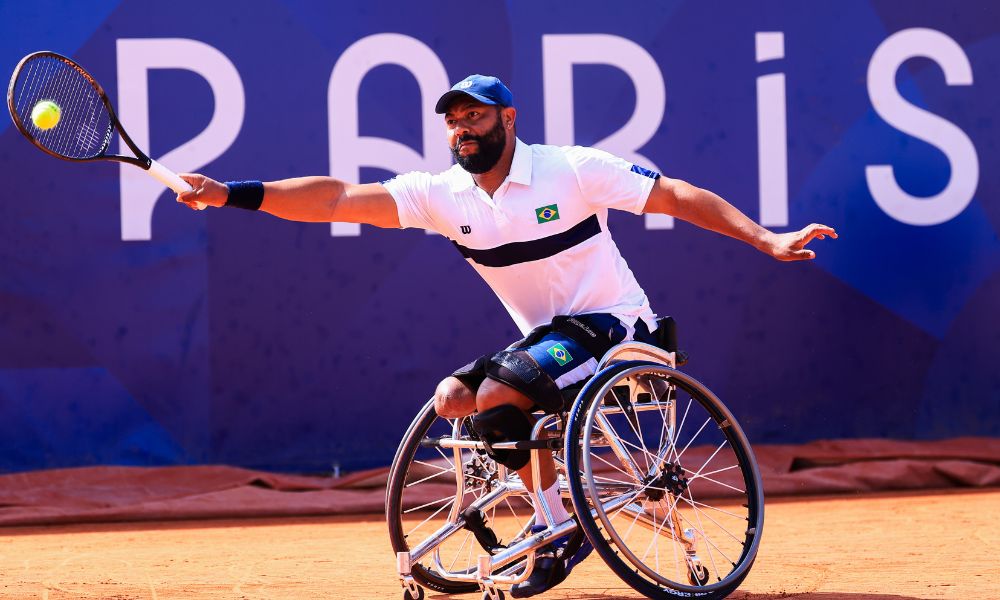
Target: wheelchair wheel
<point>428,490</point>
<point>668,489</point>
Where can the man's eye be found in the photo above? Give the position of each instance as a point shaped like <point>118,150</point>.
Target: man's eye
<point>450,121</point>
<point>474,114</point>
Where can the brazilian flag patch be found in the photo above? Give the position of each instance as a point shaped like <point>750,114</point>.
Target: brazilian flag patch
<point>560,353</point>
<point>547,213</point>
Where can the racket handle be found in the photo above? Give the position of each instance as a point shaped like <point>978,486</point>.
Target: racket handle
<point>170,179</point>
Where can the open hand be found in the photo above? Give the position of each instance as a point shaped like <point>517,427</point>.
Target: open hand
<point>792,245</point>
<point>205,190</point>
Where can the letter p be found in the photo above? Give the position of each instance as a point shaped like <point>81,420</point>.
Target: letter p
<point>139,191</point>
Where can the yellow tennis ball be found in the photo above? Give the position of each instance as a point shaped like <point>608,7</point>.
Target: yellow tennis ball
<point>46,114</point>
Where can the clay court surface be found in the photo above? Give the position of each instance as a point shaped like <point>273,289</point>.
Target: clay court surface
<point>880,546</point>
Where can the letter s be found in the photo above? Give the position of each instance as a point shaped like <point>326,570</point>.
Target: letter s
<point>895,110</point>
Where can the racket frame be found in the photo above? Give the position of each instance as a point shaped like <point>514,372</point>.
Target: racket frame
<point>141,159</point>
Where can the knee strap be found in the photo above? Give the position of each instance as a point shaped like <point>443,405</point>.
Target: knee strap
<point>504,423</point>
<point>520,371</point>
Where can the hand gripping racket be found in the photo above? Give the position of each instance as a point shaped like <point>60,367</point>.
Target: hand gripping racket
<point>84,119</point>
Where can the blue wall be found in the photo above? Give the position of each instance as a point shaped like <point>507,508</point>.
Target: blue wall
<point>237,338</point>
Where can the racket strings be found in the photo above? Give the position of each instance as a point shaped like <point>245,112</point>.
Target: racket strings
<point>84,128</point>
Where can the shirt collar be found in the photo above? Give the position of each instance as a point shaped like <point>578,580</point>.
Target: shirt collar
<point>520,165</point>
<point>520,169</point>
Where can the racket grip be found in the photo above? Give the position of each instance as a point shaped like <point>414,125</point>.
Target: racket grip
<point>170,179</point>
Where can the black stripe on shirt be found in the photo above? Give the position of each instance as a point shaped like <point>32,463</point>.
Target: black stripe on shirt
<point>521,252</point>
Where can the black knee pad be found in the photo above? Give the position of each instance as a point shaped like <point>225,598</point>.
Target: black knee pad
<point>504,423</point>
<point>520,371</point>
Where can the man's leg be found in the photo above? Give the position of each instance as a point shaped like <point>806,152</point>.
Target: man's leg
<point>491,394</point>
<point>549,569</point>
<point>453,399</point>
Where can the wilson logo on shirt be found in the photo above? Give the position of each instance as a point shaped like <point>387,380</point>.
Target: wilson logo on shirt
<point>560,353</point>
<point>548,213</point>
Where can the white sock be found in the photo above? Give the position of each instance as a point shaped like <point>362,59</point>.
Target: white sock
<point>559,513</point>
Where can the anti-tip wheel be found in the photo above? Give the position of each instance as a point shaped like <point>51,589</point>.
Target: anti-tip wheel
<point>698,574</point>
<point>407,595</point>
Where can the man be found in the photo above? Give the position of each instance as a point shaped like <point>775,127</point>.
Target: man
<point>532,220</point>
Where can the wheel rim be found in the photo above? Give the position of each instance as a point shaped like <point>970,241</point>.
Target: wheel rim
<point>660,454</point>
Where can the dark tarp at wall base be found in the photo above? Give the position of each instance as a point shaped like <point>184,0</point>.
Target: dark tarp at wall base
<point>103,494</point>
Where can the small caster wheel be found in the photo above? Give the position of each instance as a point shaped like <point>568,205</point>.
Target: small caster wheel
<point>499,595</point>
<point>697,574</point>
<point>407,595</point>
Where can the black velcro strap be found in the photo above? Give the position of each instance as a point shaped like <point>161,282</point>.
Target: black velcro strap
<point>520,371</point>
<point>534,336</point>
<point>596,342</point>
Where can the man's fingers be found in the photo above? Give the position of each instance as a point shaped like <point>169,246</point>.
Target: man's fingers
<point>818,230</point>
<point>194,180</point>
<point>189,197</point>
<point>197,183</point>
<point>792,245</point>
<point>814,231</point>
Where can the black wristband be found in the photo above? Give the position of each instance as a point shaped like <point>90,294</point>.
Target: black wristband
<point>245,194</point>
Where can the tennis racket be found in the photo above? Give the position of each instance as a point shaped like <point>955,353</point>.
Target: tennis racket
<point>85,121</point>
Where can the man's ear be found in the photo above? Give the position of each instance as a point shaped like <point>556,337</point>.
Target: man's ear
<point>508,115</point>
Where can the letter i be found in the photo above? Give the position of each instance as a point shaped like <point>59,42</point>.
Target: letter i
<point>772,138</point>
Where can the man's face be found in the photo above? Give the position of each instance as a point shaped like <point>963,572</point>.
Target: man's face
<point>476,134</point>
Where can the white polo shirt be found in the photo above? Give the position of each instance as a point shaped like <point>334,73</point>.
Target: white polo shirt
<point>542,241</point>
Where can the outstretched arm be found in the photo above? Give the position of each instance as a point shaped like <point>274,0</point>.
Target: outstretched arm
<point>708,211</point>
<point>309,199</point>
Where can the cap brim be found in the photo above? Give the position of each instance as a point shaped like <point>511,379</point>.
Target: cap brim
<point>442,104</point>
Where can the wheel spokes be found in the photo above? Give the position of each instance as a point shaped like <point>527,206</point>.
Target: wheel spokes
<point>674,467</point>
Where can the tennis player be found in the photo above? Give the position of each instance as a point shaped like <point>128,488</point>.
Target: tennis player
<point>532,221</point>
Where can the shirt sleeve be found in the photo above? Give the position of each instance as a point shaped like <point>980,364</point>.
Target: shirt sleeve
<point>411,191</point>
<point>611,182</point>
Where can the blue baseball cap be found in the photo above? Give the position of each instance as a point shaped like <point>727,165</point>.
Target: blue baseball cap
<point>485,88</point>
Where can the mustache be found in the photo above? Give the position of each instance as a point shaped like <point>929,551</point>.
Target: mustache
<point>468,137</point>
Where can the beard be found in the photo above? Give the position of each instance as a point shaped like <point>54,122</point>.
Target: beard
<point>491,146</point>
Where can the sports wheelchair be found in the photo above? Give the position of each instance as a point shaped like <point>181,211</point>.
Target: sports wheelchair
<point>662,480</point>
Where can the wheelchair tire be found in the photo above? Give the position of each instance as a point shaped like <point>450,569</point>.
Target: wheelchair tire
<point>399,475</point>
<point>668,491</point>
<point>422,492</point>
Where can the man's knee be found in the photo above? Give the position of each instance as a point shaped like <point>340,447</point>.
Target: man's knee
<point>493,393</point>
<point>453,399</point>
